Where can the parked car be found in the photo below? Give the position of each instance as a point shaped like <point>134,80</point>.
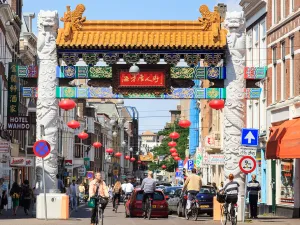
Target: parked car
<point>205,200</point>
<point>133,207</point>
<point>173,200</point>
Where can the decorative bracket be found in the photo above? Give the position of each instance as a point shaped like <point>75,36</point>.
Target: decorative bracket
<point>90,59</point>
<point>70,58</point>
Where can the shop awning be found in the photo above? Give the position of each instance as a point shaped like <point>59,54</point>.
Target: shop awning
<point>284,141</point>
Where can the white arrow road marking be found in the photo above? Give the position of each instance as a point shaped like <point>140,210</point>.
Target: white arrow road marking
<point>249,136</point>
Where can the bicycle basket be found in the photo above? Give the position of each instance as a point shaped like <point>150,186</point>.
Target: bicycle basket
<point>221,198</point>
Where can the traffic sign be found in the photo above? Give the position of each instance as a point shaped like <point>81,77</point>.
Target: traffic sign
<point>250,151</point>
<point>180,164</point>
<point>190,164</point>
<point>41,148</point>
<point>249,137</point>
<point>247,164</point>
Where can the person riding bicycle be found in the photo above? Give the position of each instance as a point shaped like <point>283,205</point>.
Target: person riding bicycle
<point>117,191</point>
<point>128,190</point>
<point>231,189</point>
<point>98,188</point>
<point>193,184</point>
<point>148,186</point>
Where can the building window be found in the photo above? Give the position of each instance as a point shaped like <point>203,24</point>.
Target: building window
<point>292,3</point>
<point>282,9</point>
<point>292,67</point>
<point>32,130</point>
<point>274,12</point>
<point>274,76</point>
<point>282,71</point>
<point>287,181</point>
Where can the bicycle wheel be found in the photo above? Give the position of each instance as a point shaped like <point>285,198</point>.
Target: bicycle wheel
<point>233,216</point>
<point>146,209</point>
<point>116,205</point>
<point>194,212</point>
<point>223,215</point>
<point>100,216</point>
<point>149,209</point>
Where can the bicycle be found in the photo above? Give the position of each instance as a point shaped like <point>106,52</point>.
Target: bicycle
<point>193,213</point>
<point>99,213</point>
<point>231,216</point>
<point>148,208</point>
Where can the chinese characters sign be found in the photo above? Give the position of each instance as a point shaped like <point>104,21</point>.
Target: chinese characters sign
<point>13,92</point>
<point>143,79</point>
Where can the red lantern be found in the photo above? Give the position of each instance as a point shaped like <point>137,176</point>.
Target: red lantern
<point>109,151</point>
<point>127,157</point>
<point>216,104</point>
<point>139,162</point>
<point>172,144</point>
<point>73,124</point>
<point>176,158</point>
<point>184,123</point>
<point>132,159</point>
<point>173,150</point>
<point>67,104</point>
<point>163,167</point>
<point>97,144</point>
<point>174,154</point>
<point>83,135</point>
<point>118,154</point>
<point>174,135</point>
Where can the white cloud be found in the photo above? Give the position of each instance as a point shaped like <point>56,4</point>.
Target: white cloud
<point>232,5</point>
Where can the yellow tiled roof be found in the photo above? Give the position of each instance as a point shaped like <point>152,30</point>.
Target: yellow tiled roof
<point>142,34</point>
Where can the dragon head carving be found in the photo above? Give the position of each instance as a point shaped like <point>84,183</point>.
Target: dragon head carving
<point>47,20</point>
<point>235,22</point>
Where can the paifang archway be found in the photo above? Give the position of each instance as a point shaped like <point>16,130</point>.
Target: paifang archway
<point>156,47</point>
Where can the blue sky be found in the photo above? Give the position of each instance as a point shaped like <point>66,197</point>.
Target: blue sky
<point>154,113</point>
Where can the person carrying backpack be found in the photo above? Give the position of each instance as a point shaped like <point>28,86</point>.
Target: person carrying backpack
<point>117,191</point>
<point>27,195</point>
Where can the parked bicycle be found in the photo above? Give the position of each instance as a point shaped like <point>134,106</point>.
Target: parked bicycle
<point>193,212</point>
<point>148,208</point>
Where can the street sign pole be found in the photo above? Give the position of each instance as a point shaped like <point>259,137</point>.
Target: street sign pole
<point>245,197</point>
<point>44,182</point>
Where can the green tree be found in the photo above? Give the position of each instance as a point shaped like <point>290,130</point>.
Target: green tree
<point>164,150</point>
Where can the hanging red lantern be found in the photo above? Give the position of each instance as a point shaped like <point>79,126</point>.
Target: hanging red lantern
<point>174,135</point>
<point>176,158</point>
<point>97,144</point>
<point>139,162</point>
<point>172,144</point>
<point>127,157</point>
<point>73,124</point>
<point>217,104</point>
<point>83,135</point>
<point>118,154</point>
<point>173,150</point>
<point>132,159</point>
<point>174,154</point>
<point>67,104</point>
<point>184,123</point>
<point>164,167</point>
<point>109,151</point>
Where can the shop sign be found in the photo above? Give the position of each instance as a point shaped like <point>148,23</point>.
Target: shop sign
<point>216,159</point>
<point>13,90</point>
<point>143,79</point>
<point>4,146</point>
<point>68,162</point>
<point>21,161</point>
<point>205,158</point>
<point>4,158</point>
<point>86,162</point>
<point>243,151</point>
<point>18,123</point>
<point>199,157</point>
<point>81,171</point>
<point>209,141</point>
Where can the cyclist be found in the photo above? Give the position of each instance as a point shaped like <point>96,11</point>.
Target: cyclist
<point>192,184</point>
<point>117,191</point>
<point>128,190</point>
<point>231,189</point>
<point>148,186</point>
<point>98,188</point>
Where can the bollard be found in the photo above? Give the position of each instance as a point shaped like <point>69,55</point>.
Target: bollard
<point>217,209</point>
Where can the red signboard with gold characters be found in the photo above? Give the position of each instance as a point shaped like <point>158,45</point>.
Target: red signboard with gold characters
<point>143,79</point>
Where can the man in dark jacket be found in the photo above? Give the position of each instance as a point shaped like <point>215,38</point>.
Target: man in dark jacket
<point>253,188</point>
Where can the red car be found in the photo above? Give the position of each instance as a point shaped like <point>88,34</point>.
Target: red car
<point>133,207</point>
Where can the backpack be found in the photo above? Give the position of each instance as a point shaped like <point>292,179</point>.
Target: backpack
<point>117,190</point>
<point>26,192</point>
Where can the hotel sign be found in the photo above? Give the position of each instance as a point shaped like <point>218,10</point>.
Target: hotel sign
<point>18,123</point>
<point>13,90</point>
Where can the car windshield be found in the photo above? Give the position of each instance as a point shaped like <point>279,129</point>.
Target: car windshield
<point>170,190</point>
<point>158,196</point>
<point>207,190</point>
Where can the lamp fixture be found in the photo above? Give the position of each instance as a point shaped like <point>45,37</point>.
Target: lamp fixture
<point>134,70</point>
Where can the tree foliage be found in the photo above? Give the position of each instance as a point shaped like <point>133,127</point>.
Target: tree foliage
<point>164,150</point>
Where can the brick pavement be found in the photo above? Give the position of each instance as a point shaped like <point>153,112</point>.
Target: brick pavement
<point>82,217</point>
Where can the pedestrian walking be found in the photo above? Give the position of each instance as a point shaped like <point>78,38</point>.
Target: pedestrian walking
<point>74,193</point>
<point>4,201</point>
<point>81,192</point>
<point>27,196</point>
<point>15,193</point>
<point>60,184</point>
<point>253,189</point>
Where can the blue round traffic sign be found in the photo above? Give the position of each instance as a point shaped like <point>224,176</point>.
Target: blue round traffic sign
<point>41,148</point>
